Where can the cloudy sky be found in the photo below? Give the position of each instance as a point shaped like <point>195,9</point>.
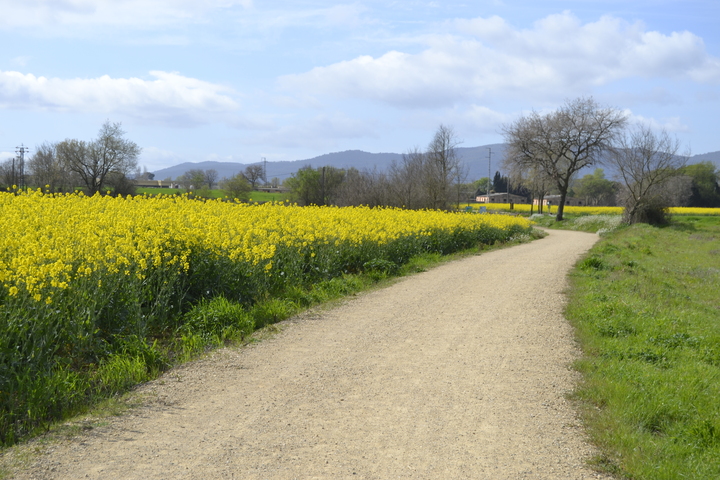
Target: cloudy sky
<point>238,80</point>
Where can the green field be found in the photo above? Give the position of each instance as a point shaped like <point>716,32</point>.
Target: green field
<point>215,193</point>
<point>646,307</point>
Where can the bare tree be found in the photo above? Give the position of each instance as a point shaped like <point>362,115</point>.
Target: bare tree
<point>253,174</point>
<point>443,169</point>
<point>534,179</point>
<point>429,179</point>
<point>94,161</point>
<point>561,143</point>
<point>237,187</point>
<point>363,188</point>
<point>193,179</point>
<point>211,176</point>
<point>8,177</point>
<point>678,191</point>
<point>406,180</point>
<point>46,169</point>
<point>646,162</point>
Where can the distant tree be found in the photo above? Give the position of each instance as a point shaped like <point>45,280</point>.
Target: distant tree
<point>482,186</point>
<point>500,183</point>
<point>253,174</point>
<point>705,186</point>
<point>121,184</point>
<point>236,187</point>
<point>595,189</point>
<point>304,186</point>
<point>443,169</point>
<point>94,161</point>
<point>533,181</point>
<point>193,179</point>
<point>406,181</point>
<point>430,179</point>
<point>211,176</point>
<point>8,177</point>
<point>363,188</point>
<point>561,143</point>
<point>678,190</point>
<point>646,162</point>
<point>143,174</point>
<point>319,186</point>
<point>46,169</point>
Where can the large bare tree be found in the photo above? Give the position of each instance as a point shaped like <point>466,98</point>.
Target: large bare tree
<point>443,169</point>
<point>646,163</point>
<point>561,143</point>
<point>428,179</point>
<point>93,161</point>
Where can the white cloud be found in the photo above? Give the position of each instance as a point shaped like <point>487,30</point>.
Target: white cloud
<point>487,57</point>
<point>169,97</point>
<point>670,124</point>
<point>135,13</point>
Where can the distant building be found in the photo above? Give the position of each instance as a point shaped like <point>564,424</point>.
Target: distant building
<point>155,184</point>
<point>500,198</point>
<point>554,200</point>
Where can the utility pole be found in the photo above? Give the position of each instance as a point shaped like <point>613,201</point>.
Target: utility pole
<point>322,186</point>
<point>489,177</point>
<point>21,151</point>
<point>264,160</point>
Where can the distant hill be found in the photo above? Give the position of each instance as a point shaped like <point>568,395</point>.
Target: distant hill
<point>474,158</point>
<point>713,157</point>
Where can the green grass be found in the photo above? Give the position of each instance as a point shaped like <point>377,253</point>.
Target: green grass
<point>268,197</point>
<point>159,191</point>
<point>645,305</point>
<point>255,196</point>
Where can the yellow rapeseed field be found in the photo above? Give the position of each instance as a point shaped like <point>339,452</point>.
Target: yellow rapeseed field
<point>587,210</point>
<point>47,241</point>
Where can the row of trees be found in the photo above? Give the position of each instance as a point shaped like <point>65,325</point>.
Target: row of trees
<point>547,151</point>
<point>238,186</point>
<point>545,154</point>
<point>105,162</point>
<point>432,178</point>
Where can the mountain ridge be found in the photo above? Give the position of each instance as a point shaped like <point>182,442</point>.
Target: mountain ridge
<point>475,160</point>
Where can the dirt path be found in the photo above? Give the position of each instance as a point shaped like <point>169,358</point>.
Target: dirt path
<point>459,372</point>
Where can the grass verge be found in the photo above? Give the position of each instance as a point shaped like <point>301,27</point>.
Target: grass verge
<point>645,307</point>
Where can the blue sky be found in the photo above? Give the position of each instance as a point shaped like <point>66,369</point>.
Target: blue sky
<point>238,80</point>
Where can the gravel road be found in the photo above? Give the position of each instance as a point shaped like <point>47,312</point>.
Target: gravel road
<point>460,372</point>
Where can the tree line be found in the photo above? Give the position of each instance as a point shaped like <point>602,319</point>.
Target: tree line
<point>546,152</point>
<point>105,162</point>
<point>432,178</point>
